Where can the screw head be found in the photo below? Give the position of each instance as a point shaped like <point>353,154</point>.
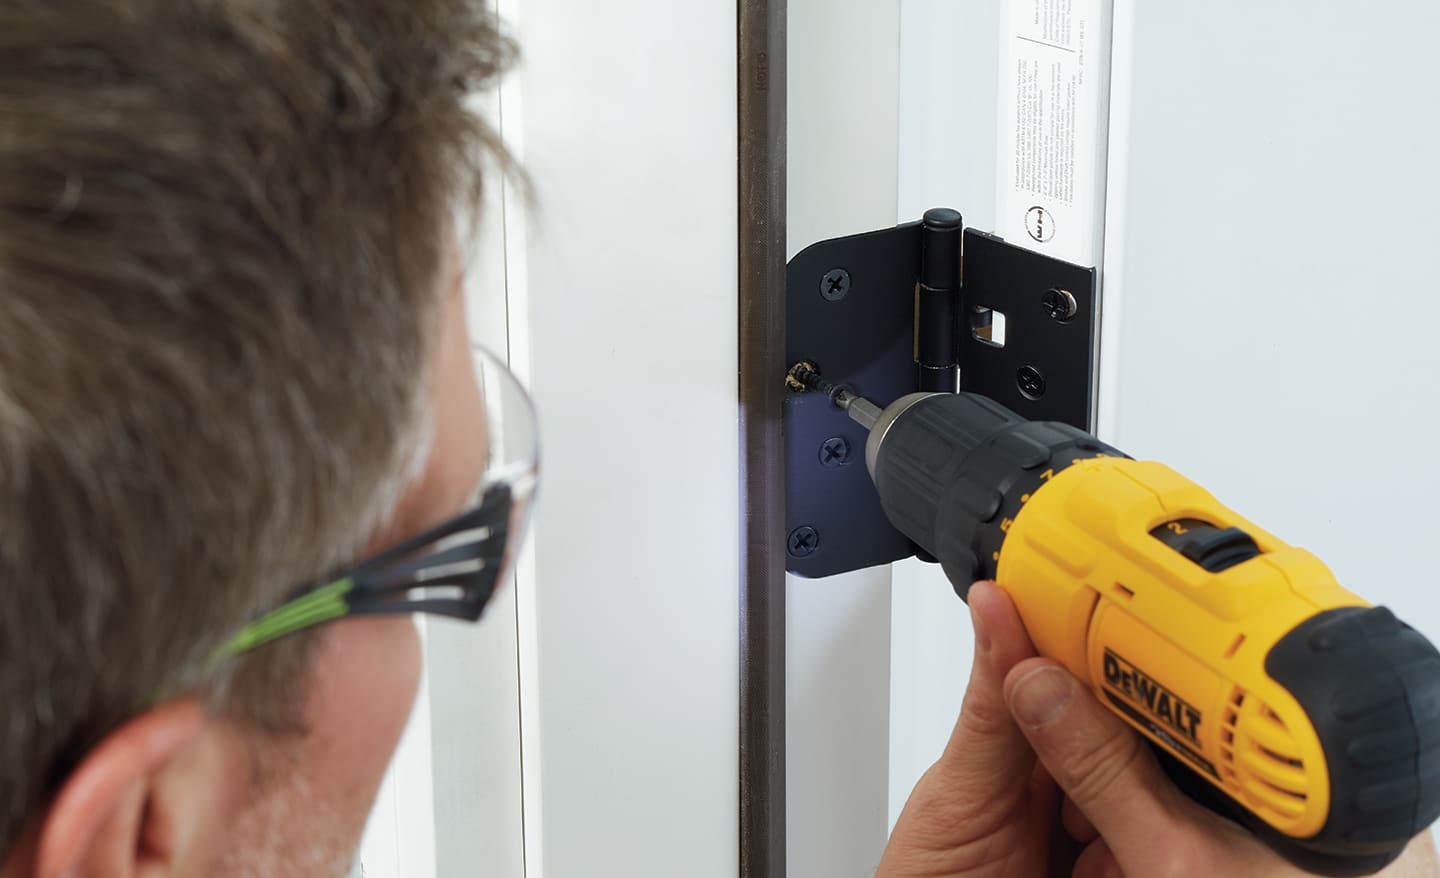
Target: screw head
<point>1060,305</point>
<point>835,452</point>
<point>835,284</point>
<point>804,542</point>
<point>1031,382</point>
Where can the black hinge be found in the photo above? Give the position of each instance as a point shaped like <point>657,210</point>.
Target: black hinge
<point>905,309</point>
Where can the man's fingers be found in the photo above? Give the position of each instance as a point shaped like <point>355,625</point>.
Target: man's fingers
<point>986,747</point>
<point>980,785</point>
<point>1076,824</point>
<point>1103,766</point>
<point>1097,861</point>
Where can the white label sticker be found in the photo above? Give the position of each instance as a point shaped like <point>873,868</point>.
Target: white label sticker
<point>1053,92</point>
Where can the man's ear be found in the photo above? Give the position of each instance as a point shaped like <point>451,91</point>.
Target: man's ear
<point>137,804</point>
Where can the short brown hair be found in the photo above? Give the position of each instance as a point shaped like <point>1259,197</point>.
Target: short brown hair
<point>221,227</point>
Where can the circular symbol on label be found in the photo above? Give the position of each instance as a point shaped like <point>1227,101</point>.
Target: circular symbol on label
<point>1040,223</point>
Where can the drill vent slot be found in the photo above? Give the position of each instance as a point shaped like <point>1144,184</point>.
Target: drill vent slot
<point>1227,735</point>
<point>1278,757</point>
<point>1261,757</point>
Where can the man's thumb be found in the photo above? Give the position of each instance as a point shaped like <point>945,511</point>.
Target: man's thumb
<point>1103,765</point>
<point>986,749</point>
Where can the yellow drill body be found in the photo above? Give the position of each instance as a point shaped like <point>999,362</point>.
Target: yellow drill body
<point>1177,651</point>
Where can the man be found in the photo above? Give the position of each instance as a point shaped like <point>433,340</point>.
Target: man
<point>233,360</point>
<point>234,371</point>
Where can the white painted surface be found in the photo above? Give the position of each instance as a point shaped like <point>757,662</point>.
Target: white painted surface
<point>949,77</point>
<point>400,839</point>
<point>515,209</point>
<point>379,854</point>
<point>843,80</point>
<point>1277,343</point>
<point>630,263</point>
<point>1117,217</point>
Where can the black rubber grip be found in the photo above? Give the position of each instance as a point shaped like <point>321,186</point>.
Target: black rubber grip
<point>1371,687</point>
<point>952,468</point>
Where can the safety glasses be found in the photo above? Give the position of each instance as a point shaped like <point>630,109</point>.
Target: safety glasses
<point>450,570</point>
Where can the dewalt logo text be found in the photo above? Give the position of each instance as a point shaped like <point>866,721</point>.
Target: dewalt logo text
<point>1169,709</point>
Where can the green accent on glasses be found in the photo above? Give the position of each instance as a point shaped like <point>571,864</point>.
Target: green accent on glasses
<point>450,570</point>
<point>317,607</point>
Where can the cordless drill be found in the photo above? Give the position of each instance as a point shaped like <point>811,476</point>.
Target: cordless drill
<point>1272,694</point>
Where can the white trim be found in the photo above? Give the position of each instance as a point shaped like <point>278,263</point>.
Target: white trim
<point>414,784</point>
<point>517,294</point>
<point>399,839</point>
<point>1117,185</point>
<point>843,131</point>
<point>379,854</point>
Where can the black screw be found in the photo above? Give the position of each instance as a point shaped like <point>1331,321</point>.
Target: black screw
<point>835,284</point>
<point>804,541</point>
<point>1031,382</point>
<point>1060,304</point>
<point>835,451</point>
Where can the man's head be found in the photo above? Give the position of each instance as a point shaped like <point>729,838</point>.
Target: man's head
<point>232,357</point>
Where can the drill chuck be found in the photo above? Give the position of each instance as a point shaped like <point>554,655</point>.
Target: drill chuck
<point>1271,693</point>
<point>953,471</point>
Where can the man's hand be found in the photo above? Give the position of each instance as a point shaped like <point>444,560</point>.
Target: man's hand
<point>1032,748</point>
<point>986,808</point>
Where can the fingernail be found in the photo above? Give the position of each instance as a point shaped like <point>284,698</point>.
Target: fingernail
<point>1041,695</point>
<point>982,634</point>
